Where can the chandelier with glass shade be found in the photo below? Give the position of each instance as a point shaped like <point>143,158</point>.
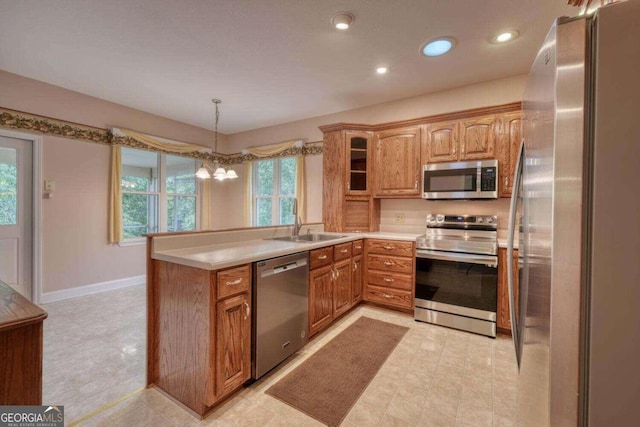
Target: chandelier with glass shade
<point>219,173</point>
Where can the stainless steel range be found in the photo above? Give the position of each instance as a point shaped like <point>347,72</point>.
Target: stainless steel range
<point>457,274</point>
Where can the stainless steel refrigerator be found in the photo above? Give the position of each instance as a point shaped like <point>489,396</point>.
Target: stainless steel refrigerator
<point>576,211</point>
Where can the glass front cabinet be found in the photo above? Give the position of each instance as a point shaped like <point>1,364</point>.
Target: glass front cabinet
<point>358,146</point>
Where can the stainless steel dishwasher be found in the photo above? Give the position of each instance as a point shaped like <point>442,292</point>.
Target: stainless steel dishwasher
<point>281,310</point>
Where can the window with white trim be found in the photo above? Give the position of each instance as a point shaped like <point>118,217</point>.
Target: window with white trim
<point>159,193</point>
<point>274,190</point>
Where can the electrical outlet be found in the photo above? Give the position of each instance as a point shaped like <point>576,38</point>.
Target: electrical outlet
<point>399,218</point>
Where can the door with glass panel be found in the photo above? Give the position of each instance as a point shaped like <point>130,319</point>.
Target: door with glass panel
<point>15,214</point>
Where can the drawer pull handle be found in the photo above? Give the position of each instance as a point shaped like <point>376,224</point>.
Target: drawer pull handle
<point>322,257</point>
<point>355,266</point>
<point>388,280</point>
<point>389,248</point>
<point>387,296</point>
<point>344,251</point>
<point>388,263</point>
<point>247,310</point>
<point>359,247</point>
<point>234,282</point>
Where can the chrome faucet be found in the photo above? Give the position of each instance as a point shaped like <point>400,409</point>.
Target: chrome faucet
<point>297,224</point>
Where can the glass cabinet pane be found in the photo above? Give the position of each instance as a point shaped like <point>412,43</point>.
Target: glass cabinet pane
<point>357,163</point>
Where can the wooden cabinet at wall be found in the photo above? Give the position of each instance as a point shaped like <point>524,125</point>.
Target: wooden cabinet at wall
<point>202,317</point>
<point>508,147</point>
<point>320,298</point>
<point>20,349</point>
<point>390,274</point>
<point>461,140</point>
<point>397,162</point>
<point>503,321</point>
<point>347,202</point>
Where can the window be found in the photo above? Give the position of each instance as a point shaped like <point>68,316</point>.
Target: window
<point>274,189</point>
<point>159,193</point>
<point>8,187</point>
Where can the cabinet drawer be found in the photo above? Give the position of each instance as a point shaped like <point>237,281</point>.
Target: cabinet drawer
<point>390,280</point>
<point>233,281</point>
<point>321,257</point>
<point>390,263</point>
<point>358,247</point>
<point>393,297</point>
<point>390,247</point>
<point>342,251</point>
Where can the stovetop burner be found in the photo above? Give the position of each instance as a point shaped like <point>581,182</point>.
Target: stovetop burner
<point>473,234</point>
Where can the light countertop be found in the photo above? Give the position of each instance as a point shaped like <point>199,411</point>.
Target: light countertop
<point>215,257</point>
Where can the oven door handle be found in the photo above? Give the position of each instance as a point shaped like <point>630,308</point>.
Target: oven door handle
<point>488,260</point>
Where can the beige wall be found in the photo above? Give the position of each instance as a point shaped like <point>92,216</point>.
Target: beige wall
<point>75,252</point>
<point>495,92</point>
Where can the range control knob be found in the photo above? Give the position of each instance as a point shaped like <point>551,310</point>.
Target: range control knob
<point>489,220</point>
<point>440,218</point>
<point>480,220</point>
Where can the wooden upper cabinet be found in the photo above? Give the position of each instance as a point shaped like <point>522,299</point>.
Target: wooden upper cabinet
<point>397,162</point>
<point>469,139</point>
<point>441,142</point>
<point>478,138</point>
<point>509,144</point>
<point>358,165</point>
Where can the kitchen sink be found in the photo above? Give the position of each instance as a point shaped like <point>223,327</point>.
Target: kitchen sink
<point>308,238</point>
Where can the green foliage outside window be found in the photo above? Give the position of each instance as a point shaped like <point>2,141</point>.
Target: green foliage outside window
<point>275,190</point>
<point>8,193</point>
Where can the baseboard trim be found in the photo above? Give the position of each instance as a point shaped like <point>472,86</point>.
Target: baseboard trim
<point>95,288</point>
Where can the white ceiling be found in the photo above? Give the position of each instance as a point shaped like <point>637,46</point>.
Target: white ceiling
<point>270,61</point>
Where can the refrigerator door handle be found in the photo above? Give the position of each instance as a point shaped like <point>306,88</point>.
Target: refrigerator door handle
<point>516,332</point>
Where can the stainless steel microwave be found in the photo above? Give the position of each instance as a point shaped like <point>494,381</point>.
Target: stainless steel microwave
<point>460,180</point>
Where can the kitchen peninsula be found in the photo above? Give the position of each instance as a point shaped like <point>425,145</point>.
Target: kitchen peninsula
<point>199,299</point>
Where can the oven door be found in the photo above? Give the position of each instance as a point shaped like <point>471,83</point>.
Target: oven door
<point>457,284</point>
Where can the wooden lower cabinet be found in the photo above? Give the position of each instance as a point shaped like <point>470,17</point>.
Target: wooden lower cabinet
<point>342,287</point>
<point>233,343</point>
<point>320,298</point>
<point>335,282</point>
<point>356,280</point>
<point>503,321</point>
<point>199,332</point>
<point>390,273</point>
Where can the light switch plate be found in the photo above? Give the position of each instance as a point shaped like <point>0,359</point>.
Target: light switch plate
<point>49,186</point>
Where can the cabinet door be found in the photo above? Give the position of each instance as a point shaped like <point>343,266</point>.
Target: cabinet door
<point>397,162</point>
<point>510,138</point>
<point>320,298</point>
<point>333,180</point>
<point>342,287</point>
<point>233,343</point>
<point>504,316</point>
<point>440,143</point>
<point>478,138</point>
<point>358,149</point>
<point>356,280</point>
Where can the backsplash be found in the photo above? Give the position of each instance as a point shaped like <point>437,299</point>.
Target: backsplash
<point>409,215</point>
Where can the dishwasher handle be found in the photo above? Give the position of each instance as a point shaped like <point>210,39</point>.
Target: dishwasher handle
<point>283,268</point>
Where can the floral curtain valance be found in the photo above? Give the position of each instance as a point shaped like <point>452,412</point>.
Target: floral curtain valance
<point>274,149</point>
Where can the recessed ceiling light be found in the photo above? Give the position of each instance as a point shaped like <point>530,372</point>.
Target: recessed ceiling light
<point>343,20</point>
<point>382,70</point>
<point>505,36</point>
<point>437,47</point>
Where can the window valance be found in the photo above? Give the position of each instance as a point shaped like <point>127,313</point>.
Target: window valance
<point>158,143</point>
<point>274,149</point>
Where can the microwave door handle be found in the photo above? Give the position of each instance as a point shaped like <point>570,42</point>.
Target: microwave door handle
<point>516,330</point>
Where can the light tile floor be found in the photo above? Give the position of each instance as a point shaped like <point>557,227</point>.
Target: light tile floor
<point>435,376</point>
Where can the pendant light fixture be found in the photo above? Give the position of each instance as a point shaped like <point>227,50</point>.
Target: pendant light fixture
<point>218,171</point>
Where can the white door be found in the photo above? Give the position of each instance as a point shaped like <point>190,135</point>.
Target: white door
<point>16,195</point>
